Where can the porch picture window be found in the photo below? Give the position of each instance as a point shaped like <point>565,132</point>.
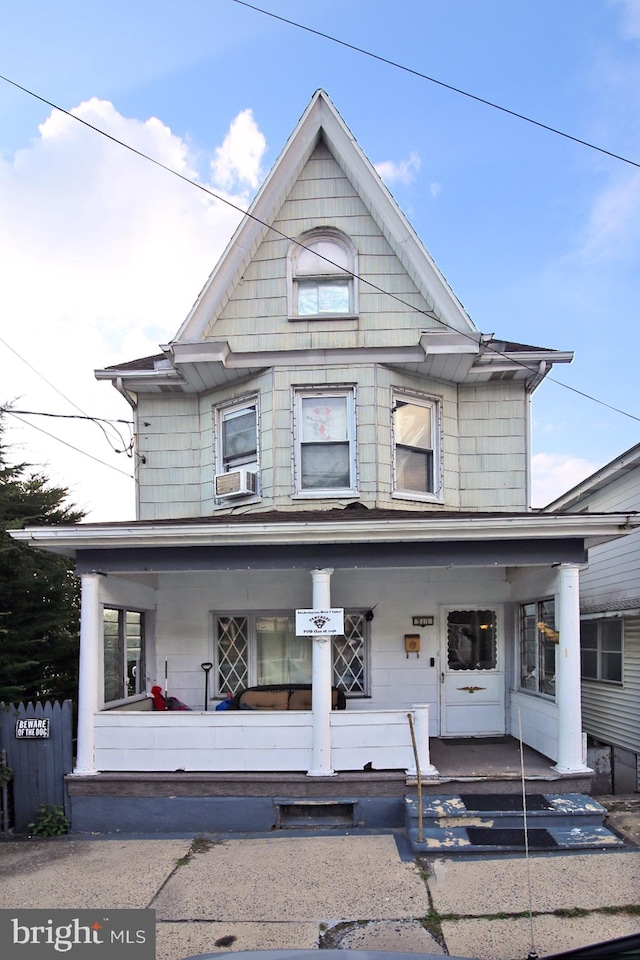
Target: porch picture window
<point>257,649</point>
<point>123,634</point>
<point>415,435</point>
<point>325,441</point>
<point>321,268</point>
<point>537,649</point>
<point>601,649</point>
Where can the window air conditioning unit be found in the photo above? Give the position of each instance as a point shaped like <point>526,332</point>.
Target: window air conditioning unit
<point>236,483</point>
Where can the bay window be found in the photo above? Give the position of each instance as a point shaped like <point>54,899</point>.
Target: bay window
<point>325,442</point>
<point>415,444</point>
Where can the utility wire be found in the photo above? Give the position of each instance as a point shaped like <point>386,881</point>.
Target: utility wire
<point>70,445</point>
<point>427,313</point>
<point>64,397</point>
<point>63,416</point>
<point>440,83</point>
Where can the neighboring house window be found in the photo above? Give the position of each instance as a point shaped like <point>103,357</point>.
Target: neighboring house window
<point>325,461</point>
<point>238,432</point>
<point>601,650</point>
<point>415,441</point>
<point>537,648</point>
<point>253,649</point>
<point>321,269</point>
<point>123,653</point>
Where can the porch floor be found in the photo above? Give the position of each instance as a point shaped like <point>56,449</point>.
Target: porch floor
<point>488,757</point>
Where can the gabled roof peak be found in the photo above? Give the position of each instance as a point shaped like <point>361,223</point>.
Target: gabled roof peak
<point>321,120</point>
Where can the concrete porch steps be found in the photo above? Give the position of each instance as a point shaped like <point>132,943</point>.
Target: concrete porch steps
<point>494,823</point>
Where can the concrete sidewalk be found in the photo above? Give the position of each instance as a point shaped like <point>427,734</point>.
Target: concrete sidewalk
<point>362,892</point>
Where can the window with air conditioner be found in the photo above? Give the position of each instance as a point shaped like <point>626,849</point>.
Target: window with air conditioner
<point>237,450</point>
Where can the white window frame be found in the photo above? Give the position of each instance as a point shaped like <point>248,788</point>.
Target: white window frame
<point>545,613</point>
<point>304,393</point>
<point>251,619</point>
<point>226,410</point>
<point>121,650</point>
<point>344,265</point>
<point>434,404</point>
<point>599,621</point>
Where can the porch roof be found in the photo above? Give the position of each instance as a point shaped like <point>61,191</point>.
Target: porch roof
<point>351,525</point>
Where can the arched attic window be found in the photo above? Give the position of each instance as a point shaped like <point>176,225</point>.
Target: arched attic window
<point>321,268</point>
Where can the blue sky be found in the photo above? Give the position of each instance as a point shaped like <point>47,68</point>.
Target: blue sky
<point>102,254</point>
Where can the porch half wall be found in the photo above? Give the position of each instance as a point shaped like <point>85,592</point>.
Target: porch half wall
<point>244,741</point>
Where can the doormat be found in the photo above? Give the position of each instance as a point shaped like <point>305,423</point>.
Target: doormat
<point>504,801</point>
<point>488,837</point>
<point>473,741</point>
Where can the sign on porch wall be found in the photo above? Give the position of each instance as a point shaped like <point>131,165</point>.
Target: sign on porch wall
<point>319,623</point>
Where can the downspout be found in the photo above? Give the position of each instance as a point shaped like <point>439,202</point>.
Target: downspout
<point>133,403</point>
<point>543,368</point>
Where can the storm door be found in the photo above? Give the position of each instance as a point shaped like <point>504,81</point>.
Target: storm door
<point>472,687</point>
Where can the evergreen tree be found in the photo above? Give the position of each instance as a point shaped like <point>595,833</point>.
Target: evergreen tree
<point>39,593</point>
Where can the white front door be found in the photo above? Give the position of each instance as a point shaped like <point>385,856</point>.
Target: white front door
<point>472,688</point>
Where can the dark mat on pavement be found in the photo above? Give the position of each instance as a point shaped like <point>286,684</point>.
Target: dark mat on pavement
<point>490,837</point>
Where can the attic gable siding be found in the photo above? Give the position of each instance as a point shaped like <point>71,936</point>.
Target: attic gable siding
<point>255,317</point>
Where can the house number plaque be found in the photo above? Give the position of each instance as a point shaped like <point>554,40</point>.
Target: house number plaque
<point>422,621</point>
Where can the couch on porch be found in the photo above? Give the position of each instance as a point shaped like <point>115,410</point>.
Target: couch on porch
<point>292,696</point>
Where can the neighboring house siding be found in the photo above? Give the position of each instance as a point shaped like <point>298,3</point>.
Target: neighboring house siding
<point>612,579</point>
<point>610,712</point>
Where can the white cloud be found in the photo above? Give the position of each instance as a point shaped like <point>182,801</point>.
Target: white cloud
<point>404,171</point>
<point>102,256</point>
<point>631,18</point>
<point>553,474</point>
<point>435,189</point>
<point>240,156</point>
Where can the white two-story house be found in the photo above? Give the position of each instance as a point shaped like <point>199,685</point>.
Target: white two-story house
<point>328,431</point>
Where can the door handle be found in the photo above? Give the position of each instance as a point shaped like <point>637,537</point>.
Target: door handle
<point>442,677</point>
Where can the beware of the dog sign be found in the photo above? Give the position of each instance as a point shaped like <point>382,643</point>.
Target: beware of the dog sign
<point>319,623</point>
<point>33,728</point>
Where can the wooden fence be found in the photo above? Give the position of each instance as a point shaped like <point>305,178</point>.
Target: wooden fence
<point>37,739</point>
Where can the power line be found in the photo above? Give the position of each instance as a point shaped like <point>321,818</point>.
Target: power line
<point>70,445</point>
<point>440,83</point>
<point>64,397</point>
<point>292,240</point>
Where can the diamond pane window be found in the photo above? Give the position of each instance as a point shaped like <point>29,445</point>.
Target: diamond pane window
<point>233,653</point>
<point>349,655</point>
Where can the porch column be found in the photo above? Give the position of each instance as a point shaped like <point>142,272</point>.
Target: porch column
<point>420,713</point>
<point>321,683</point>
<point>570,754</point>
<point>89,673</point>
